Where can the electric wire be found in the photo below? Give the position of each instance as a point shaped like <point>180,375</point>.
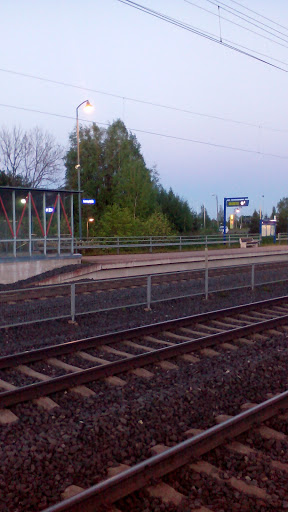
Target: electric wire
<point>258,14</point>
<point>174,21</point>
<point>233,42</point>
<point>144,102</point>
<point>251,18</point>
<point>247,21</point>
<point>148,132</point>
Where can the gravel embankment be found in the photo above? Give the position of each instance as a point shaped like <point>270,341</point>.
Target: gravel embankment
<point>94,295</point>
<point>16,339</point>
<point>76,442</point>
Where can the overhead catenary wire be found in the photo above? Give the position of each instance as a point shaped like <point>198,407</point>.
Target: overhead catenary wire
<point>220,2</point>
<point>247,21</point>
<point>144,102</point>
<point>258,14</point>
<point>233,42</point>
<point>201,33</point>
<point>237,24</point>
<point>149,132</point>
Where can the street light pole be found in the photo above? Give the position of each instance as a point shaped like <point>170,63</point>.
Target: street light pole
<point>88,106</point>
<point>89,220</point>
<point>216,208</point>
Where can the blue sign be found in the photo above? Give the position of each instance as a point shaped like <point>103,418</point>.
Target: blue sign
<point>88,201</point>
<point>49,209</point>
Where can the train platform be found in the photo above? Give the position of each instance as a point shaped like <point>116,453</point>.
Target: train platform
<point>131,265</point>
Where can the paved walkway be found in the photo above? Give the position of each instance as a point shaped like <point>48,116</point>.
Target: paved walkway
<point>178,255</point>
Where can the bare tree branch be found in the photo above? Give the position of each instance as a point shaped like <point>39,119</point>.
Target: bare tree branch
<point>34,155</point>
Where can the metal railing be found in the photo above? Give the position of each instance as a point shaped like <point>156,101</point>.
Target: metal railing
<point>81,298</point>
<point>27,247</point>
<point>153,242</point>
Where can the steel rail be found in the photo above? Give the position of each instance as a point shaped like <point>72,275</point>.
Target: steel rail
<point>111,490</point>
<point>116,337</point>
<point>32,391</point>
<point>50,290</point>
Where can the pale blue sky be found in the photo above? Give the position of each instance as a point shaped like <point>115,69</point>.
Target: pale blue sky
<point>110,47</point>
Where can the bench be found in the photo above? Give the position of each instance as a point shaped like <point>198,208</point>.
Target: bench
<point>248,242</point>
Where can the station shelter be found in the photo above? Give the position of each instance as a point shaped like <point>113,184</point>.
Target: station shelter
<point>36,222</point>
<point>268,227</point>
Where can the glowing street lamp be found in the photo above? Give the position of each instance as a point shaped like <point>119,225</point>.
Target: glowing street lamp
<point>88,107</point>
<point>89,220</point>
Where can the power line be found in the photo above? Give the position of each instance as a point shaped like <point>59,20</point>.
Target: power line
<point>258,14</point>
<point>147,132</point>
<point>174,21</point>
<point>144,102</point>
<point>251,23</point>
<point>251,18</point>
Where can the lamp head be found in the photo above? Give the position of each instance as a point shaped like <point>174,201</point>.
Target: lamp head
<point>88,107</point>
<point>90,220</point>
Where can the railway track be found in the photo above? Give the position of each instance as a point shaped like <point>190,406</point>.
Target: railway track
<point>34,374</point>
<point>51,291</point>
<point>195,473</point>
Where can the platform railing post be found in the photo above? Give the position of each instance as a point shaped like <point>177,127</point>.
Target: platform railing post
<point>150,249</point>
<point>44,225</point>
<point>59,225</point>
<point>252,277</point>
<point>180,244</point>
<point>149,287</point>
<point>206,273</point>
<point>73,302</point>
<point>72,224</point>
<point>30,223</point>
<point>118,249</point>
<point>14,223</point>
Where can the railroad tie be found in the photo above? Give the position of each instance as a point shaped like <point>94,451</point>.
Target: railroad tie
<point>214,472</point>
<point>7,417</point>
<point>80,390</point>
<point>159,342</point>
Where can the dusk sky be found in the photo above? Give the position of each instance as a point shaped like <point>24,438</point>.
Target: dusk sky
<point>114,49</point>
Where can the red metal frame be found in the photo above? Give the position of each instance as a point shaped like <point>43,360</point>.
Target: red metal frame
<point>66,218</point>
<point>6,216</point>
<point>49,223</point>
<point>37,215</point>
<point>38,218</point>
<point>21,218</point>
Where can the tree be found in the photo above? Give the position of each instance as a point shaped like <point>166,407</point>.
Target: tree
<point>134,189</point>
<point>33,155</point>
<point>254,225</point>
<point>177,211</point>
<point>282,222</point>
<point>204,219</point>
<point>116,221</point>
<point>7,180</point>
<point>221,215</point>
<point>113,170</point>
<point>273,213</point>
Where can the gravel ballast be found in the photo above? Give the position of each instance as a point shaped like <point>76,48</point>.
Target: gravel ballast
<point>75,443</point>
